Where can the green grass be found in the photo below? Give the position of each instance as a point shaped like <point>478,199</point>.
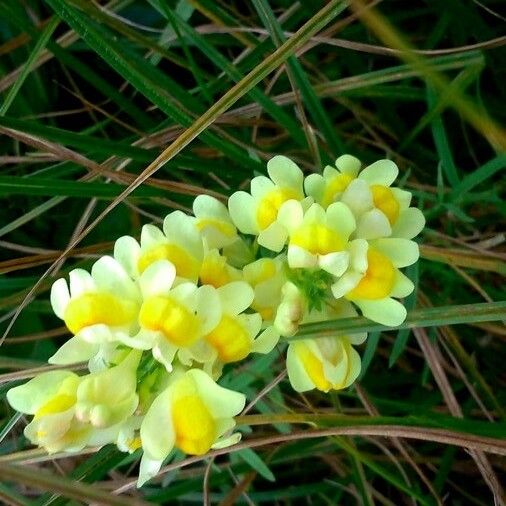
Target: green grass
<point>110,117</point>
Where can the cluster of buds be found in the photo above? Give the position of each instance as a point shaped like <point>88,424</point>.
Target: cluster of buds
<point>159,320</point>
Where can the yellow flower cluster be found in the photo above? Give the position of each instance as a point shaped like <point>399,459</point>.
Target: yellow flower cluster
<point>159,320</point>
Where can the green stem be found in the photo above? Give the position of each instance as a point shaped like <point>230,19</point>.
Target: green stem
<point>427,317</point>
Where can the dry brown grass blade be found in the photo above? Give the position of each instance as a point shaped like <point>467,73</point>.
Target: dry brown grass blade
<point>398,444</point>
<point>434,360</point>
<point>442,436</point>
<point>462,258</point>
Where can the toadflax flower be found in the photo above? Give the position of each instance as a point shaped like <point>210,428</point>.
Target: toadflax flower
<point>318,238</point>
<point>213,220</point>
<point>267,277</point>
<point>377,281</point>
<point>193,414</point>
<point>326,363</point>
<point>257,213</point>
<point>237,333</point>
<point>180,243</point>
<point>98,308</point>
<point>172,317</point>
<point>216,271</point>
<point>71,412</point>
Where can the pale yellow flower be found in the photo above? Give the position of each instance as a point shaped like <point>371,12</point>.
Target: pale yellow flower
<point>266,276</point>
<point>172,317</point>
<point>99,308</point>
<point>374,280</point>
<point>216,270</point>
<point>213,221</point>
<point>318,238</point>
<point>71,412</point>
<point>326,363</point>
<point>193,414</point>
<point>180,243</point>
<point>257,213</point>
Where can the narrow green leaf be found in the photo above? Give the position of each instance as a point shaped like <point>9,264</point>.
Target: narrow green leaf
<point>313,104</point>
<point>401,340</point>
<point>253,459</point>
<point>428,317</point>
<point>480,175</point>
<point>222,63</point>
<point>149,80</point>
<point>40,44</point>
<point>14,185</point>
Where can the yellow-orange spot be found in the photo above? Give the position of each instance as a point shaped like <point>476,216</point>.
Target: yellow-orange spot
<point>378,280</point>
<point>267,313</point>
<point>186,265</point>
<point>57,404</point>
<point>317,239</point>
<point>334,188</point>
<point>313,367</point>
<point>262,270</point>
<point>230,339</point>
<point>194,426</point>
<point>227,229</point>
<point>135,443</point>
<point>386,202</point>
<point>269,205</point>
<point>216,272</point>
<point>94,308</point>
<point>179,326</point>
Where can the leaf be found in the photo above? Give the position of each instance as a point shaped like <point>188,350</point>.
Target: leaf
<point>256,463</point>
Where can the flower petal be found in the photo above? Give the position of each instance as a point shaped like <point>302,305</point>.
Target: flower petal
<point>266,341</point>
<point>373,224</point>
<point>242,211</point>
<point>273,237</point>
<point>285,173</point>
<point>209,307</point>
<point>290,214</point>
<point>403,286</point>
<point>358,255</point>
<point>260,185</point>
<point>80,282</point>
<point>60,297</point>
<point>402,252</point>
<point>335,263</point>
<point>345,284</point>
<point>348,164</point>
<point>28,398</point>
<point>409,224</point>
<point>221,402</point>
<point>158,443</point>
<point>157,279</point>
<point>300,258</point>
<point>358,197</point>
<point>127,252</point>
<point>235,297</point>
<point>382,172</point>
<point>73,351</point>
<point>386,311</point>
<point>109,275</point>
<point>314,185</point>
<point>148,468</point>
<point>299,379</point>
<point>340,217</point>
<point>151,236</point>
